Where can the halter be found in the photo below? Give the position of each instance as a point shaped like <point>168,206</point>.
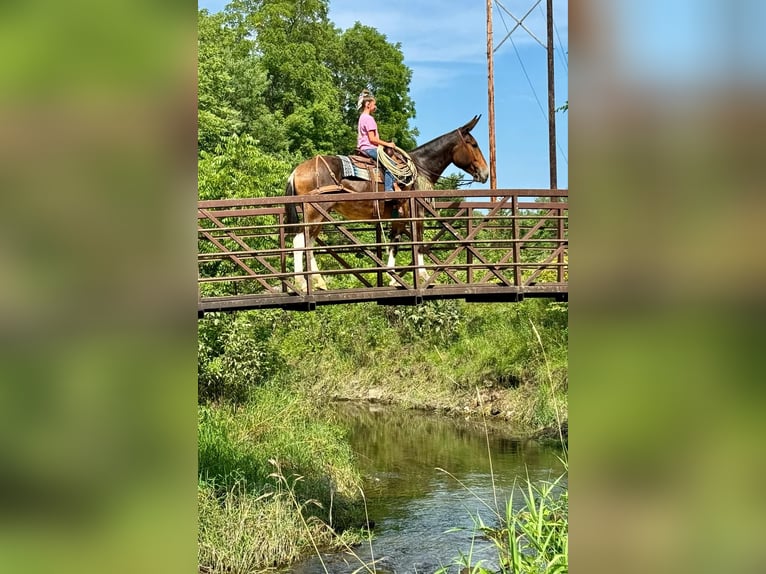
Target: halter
<point>435,176</point>
<point>465,143</point>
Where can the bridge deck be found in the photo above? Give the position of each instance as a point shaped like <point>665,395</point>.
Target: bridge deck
<point>381,295</point>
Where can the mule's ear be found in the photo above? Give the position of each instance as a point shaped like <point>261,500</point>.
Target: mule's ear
<point>470,125</point>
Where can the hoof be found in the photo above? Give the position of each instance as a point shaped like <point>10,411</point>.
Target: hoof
<point>319,284</point>
<point>300,285</point>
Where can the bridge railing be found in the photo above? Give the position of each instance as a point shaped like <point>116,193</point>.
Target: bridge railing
<point>471,248</point>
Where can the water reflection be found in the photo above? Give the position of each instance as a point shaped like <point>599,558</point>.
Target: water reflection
<point>412,503</point>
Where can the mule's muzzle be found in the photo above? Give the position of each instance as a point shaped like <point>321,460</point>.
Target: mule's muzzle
<point>481,175</point>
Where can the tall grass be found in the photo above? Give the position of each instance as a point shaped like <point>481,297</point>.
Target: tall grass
<point>242,532</point>
<point>532,539</point>
<point>275,482</point>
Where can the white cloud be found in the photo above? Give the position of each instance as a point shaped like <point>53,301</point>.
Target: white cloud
<point>447,30</point>
<point>434,32</point>
<point>429,77</point>
<point>428,31</point>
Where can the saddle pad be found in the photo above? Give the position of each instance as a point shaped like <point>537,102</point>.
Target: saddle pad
<point>351,170</point>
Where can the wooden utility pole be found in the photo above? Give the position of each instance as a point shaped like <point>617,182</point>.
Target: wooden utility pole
<point>551,101</point>
<point>552,135</point>
<point>491,101</point>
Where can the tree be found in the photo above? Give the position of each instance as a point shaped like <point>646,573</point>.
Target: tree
<point>314,74</point>
<point>296,45</point>
<point>217,117</point>
<point>368,60</point>
<point>278,82</point>
<point>238,167</point>
<point>232,87</point>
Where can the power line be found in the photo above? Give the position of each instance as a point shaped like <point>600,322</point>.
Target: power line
<point>523,69</point>
<point>561,52</point>
<point>526,75</point>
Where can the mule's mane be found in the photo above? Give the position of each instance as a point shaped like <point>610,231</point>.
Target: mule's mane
<point>431,157</point>
<point>436,145</point>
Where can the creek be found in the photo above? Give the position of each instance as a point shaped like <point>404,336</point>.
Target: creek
<point>417,508</point>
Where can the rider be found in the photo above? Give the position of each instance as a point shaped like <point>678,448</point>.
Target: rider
<point>368,140</point>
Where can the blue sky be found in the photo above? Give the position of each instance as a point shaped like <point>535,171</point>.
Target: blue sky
<point>444,42</point>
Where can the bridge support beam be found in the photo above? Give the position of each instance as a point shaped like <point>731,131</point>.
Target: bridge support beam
<point>408,300</point>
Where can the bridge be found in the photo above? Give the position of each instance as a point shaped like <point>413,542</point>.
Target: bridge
<point>473,249</point>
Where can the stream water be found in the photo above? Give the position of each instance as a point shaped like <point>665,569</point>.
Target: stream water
<point>416,507</point>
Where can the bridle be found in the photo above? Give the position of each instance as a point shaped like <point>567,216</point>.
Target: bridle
<point>434,176</point>
<point>465,143</point>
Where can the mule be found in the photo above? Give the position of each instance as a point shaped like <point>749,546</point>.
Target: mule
<point>323,174</point>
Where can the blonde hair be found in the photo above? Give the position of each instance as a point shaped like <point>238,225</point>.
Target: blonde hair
<point>364,97</point>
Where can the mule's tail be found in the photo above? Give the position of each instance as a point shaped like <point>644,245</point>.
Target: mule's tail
<point>292,213</point>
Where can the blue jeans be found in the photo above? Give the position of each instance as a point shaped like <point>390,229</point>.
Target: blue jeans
<point>388,179</point>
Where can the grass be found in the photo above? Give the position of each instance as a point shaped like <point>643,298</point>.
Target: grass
<point>242,532</point>
<point>276,481</point>
<point>533,539</point>
<point>434,356</point>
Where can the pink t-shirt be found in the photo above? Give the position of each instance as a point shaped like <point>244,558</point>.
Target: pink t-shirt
<point>366,125</point>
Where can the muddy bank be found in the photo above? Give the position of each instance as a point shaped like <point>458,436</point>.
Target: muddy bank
<point>498,409</point>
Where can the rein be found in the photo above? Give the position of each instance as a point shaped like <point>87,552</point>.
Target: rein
<point>431,175</point>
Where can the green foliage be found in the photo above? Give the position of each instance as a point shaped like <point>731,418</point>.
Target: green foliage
<point>217,118</point>
<point>241,532</point>
<point>237,442</point>
<point>232,87</point>
<point>435,353</point>
<point>367,60</point>
<point>535,539</point>
<point>437,322</point>
<point>492,328</point>
<point>234,356</point>
<point>239,168</point>
<point>296,44</point>
<point>451,181</point>
<point>334,339</point>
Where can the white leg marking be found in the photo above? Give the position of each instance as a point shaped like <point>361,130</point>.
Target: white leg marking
<point>391,258</point>
<point>421,267</point>
<point>298,245</point>
<point>316,279</point>
<point>391,264</point>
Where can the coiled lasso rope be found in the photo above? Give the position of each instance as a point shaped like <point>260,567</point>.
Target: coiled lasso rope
<point>404,171</point>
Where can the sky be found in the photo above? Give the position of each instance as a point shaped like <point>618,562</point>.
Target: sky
<point>444,43</point>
